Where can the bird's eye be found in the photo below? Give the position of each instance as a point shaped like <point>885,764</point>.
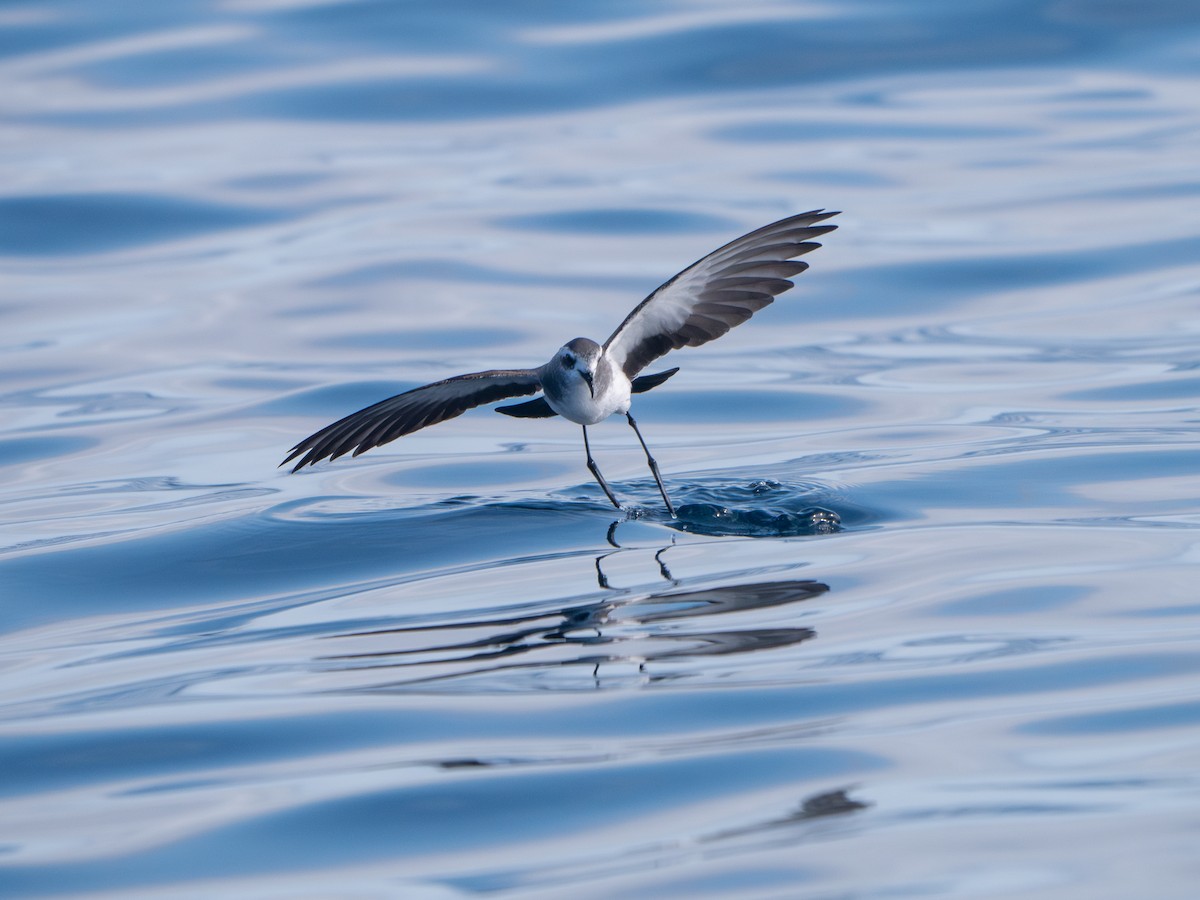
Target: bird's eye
<point>568,360</point>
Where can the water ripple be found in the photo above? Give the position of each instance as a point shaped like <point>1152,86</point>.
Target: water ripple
<point>931,588</point>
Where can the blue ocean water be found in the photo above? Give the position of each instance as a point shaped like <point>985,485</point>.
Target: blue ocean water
<point>928,623</point>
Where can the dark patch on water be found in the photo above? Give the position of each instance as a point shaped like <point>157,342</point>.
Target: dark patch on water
<point>60,224</point>
<point>758,508</point>
<point>756,403</point>
<point>334,400</point>
<point>714,520</point>
<point>462,272</point>
<point>808,129</point>
<point>619,222</point>
<point>1178,389</point>
<point>423,339</point>
<point>21,450</point>
<point>761,508</point>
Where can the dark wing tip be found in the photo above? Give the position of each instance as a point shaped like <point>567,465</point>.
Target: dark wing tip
<point>817,215</point>
<point>308,451</point>
<point>297,451</point>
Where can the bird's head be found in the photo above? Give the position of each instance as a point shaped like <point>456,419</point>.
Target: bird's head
<point>578,359</point>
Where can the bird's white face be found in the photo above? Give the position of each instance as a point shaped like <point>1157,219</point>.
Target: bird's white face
<point>576,365</point>
<point>578,383</point>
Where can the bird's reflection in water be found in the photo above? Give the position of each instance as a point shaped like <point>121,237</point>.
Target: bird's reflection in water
<point>816,806</point>
<point>622,627</point>
<point>815,815</point>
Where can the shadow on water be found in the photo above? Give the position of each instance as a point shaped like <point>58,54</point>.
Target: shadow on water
<point>641,629</point>
<point>782,830</point>
<point>351,537</point>
<point>816,806</point>
<point>614,627</point>
<point>592,634</point>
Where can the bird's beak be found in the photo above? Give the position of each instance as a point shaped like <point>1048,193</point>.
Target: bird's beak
<point>587,376</point>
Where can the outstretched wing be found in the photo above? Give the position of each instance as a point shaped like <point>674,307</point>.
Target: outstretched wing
<point>410,411</point>
<point>720,291</point>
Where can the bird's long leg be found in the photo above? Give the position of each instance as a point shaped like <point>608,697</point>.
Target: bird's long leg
<point>595,470</point>
<point>653,466</point>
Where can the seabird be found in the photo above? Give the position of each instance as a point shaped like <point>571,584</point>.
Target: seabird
<point>587,382</point>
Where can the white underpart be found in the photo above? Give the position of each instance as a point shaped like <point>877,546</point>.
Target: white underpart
<point>568,394</point>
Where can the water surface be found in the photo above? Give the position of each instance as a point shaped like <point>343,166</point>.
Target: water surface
<point>927,624</point>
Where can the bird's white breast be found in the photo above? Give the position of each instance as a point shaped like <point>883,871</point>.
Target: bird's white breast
<point>576,403</point>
